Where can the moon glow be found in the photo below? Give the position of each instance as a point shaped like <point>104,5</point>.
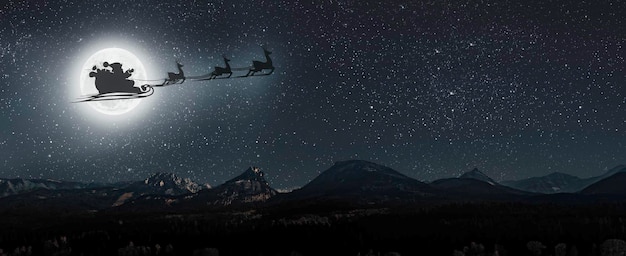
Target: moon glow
<point>111,55</point>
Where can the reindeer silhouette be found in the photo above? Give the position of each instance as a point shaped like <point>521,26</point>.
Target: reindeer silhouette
<point>220,70</point>
<point>259,65</point>
<point>173,78</point>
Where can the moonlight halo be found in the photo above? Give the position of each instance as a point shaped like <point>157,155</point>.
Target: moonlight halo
<point>111,55</point>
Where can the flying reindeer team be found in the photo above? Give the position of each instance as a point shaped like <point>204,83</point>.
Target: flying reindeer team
<point>116,80</point>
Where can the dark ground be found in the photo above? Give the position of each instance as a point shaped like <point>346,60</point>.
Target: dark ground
<point>328,229</point>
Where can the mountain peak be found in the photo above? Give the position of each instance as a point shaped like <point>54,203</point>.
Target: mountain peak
<point>248,187</point>
<point>171,183</point>
<point>354,167</point>
<point>253,173</point>
<point>560,175</point>
<point>364,180</point>
<point>477,175</point>
<point>160,178</point>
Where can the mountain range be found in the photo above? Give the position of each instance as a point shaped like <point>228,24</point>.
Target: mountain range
<point>17,186</point>
<point>476,185</point>
<point>347,182</point>
<point>560,182</point>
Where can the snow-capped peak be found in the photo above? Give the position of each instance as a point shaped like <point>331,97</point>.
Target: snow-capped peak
<point>248,187</point>
<point>253,173</point>
<point>172,182</point>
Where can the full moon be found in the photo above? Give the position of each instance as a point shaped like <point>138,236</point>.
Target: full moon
<point>111,55</point>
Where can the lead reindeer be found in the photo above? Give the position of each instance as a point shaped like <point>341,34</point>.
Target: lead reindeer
<point>222,70</point>
<point>173,78</point>
<point>259,65</point>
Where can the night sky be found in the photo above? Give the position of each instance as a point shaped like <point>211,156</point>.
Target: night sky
<point>429,88</point>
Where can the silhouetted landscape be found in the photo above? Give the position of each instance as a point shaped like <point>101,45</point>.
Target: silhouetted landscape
<point>355,208</point>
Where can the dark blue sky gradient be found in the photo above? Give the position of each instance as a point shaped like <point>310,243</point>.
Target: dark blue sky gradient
<point>431,89</point>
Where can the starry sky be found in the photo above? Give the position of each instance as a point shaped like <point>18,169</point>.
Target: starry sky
<point>429,88</point>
